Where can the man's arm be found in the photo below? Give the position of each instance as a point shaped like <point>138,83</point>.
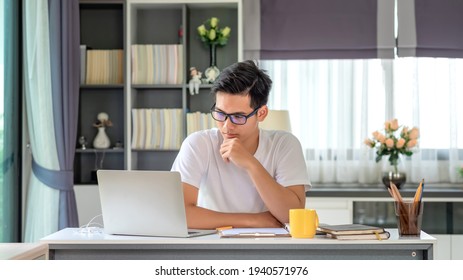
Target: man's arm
<point>202,218</point>
<point>277,198</point>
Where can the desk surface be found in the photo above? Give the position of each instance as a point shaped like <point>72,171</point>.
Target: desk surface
<point>71,243</point>
<point>23,251</point>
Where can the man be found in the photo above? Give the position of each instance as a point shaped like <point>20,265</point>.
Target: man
<point>236,174</point>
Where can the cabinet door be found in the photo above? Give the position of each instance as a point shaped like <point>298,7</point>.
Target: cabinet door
<point>443,249</point>
<point>102,31</point>
<point>457,247</point>
<point>457,237</point>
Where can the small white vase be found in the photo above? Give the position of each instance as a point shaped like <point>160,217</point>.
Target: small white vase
<point>101,140</point>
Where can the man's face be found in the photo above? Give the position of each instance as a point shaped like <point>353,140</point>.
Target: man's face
<point>236,104</point>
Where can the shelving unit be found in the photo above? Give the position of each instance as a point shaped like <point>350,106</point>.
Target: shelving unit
<point>101,27</point>
<point>107,24</point>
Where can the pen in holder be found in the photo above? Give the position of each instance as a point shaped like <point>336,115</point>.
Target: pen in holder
<point>409,217</point>
<point>409,212</point>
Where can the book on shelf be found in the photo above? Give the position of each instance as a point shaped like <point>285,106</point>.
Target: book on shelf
<point>83,63</point>
<point>168,128</point>
<point>135,129</point>
<point>141,129</point>
<point>149,144</point>
<point>158,129</point>
<point>346,229</point>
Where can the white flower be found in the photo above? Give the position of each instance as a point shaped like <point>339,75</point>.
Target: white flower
<point>226,31</point>
<point>211,35</point>
<point>202,30</point>
<point>214,22</point>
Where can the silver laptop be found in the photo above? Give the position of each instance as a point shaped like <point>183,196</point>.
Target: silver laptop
<point>148,203</point>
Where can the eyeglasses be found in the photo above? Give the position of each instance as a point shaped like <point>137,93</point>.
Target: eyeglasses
<point>234,118</point>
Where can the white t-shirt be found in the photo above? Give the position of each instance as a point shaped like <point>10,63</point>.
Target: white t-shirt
<point>225,187</point>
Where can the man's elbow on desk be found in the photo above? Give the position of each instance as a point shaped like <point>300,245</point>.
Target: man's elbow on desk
<point>202,218</point>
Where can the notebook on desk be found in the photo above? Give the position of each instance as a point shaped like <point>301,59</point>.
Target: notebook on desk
<point>146,203</point>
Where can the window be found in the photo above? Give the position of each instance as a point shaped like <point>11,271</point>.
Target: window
<point>335,104</point>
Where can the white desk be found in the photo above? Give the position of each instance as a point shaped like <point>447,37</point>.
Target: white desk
<point>23,251</point>
<point>71,244</point>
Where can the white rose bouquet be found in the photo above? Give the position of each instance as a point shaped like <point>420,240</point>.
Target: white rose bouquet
<point>210,33</point>
<point>393,145</point>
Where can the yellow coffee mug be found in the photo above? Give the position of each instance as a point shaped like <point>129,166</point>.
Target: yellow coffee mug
<point>303,223</point>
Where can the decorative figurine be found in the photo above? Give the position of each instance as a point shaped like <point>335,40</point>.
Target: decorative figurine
<point>101,140</point>
<point>83,142</point>
<point>118,145</point>
<point>195,80</point>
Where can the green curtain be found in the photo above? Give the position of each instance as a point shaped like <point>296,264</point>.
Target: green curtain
<point>9,123</point>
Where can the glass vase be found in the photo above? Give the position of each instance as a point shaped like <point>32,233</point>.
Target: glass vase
<point>212,72</point>
<point>398,178</point>
<point>394,174</point>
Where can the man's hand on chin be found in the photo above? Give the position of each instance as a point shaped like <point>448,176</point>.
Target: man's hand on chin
<point>232,150</point>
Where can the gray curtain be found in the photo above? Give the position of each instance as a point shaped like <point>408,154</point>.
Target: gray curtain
<point>318,29</point>
<point>430,28</point>
<point>65,69</point>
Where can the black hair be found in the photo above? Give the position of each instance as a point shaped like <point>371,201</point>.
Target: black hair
<point>243,78</point>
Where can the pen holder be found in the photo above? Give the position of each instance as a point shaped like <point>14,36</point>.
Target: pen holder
<point>409,216</point>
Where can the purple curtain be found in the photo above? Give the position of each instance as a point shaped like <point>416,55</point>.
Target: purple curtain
<point>65,69</point>
<point>430,28</point>
<point>318,29</point>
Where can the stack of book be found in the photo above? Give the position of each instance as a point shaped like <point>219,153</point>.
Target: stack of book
<point>103,67</point>
<point>198,121</point>
<point>157,129</point>
<point>157,64</point>
<point>354,232</point>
